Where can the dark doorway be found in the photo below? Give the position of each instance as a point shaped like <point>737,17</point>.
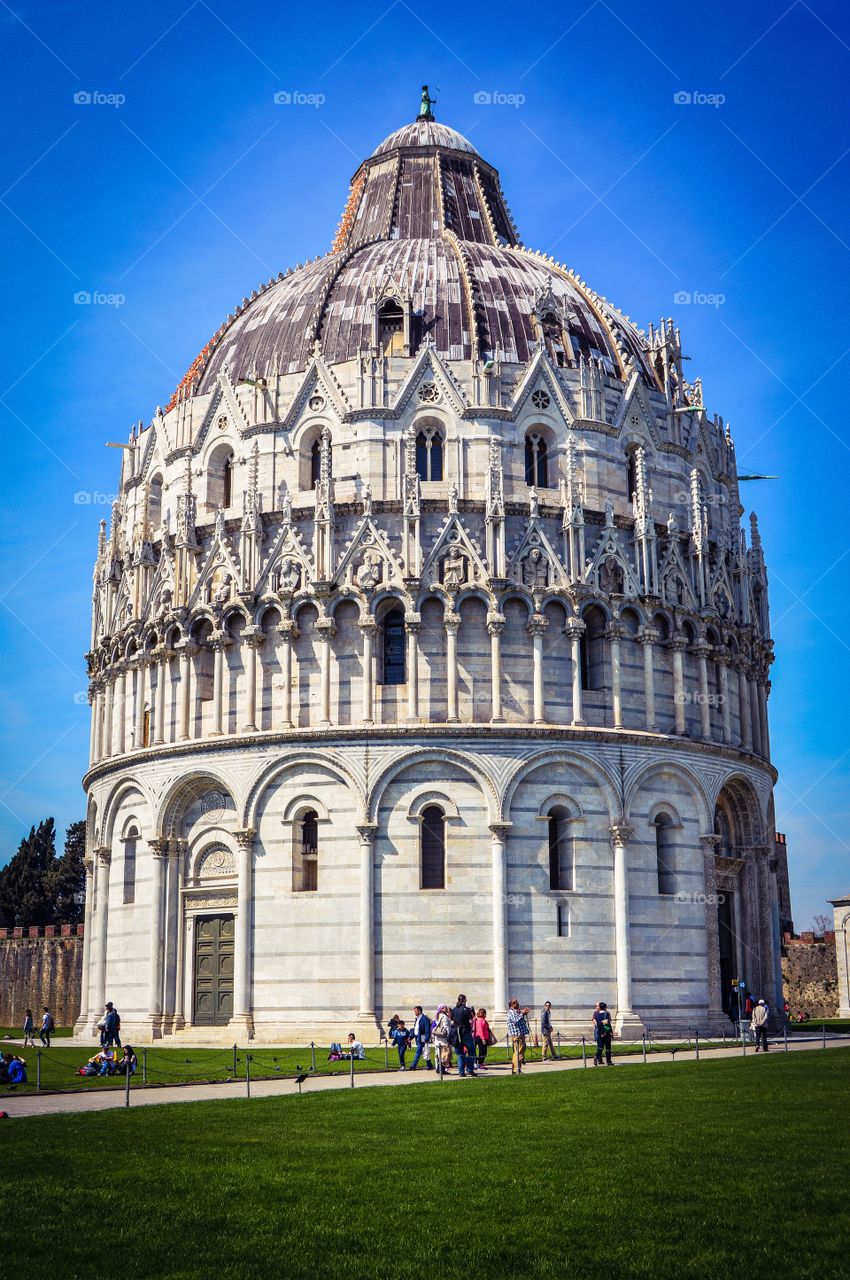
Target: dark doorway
<point>726,936</point>
<point>214,945</point>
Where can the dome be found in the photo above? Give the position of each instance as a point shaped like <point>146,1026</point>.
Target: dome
<point>425,222</point>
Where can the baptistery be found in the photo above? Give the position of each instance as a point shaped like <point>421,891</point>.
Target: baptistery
<point>428,653</point>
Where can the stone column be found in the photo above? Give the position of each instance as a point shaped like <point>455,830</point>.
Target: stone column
<point>712,928</point>
<point>366,836</point>
<point>93,727</point>
<point>252,638</point>
<point>107,717</point>
<point>701,650</point>
<point>501,966</point>
<point>120,709</point>
<point>286,632</point>
<point>326,630</point>
<point>161,655</point>
<point>575,631</point>
<point>242,1003</point>
<point>678,644</point>
<point>536,628</point>
<point>495,626</point>
<point>186,650</point>
<point>763,688</point>
<point>647,637</point>
<point>725,710</point>
<point>217,639</point>
<point>744,705</point>
<point>104,862</point>
<point>755,726</point>
<point>180,977</point>
<point>621,834</point>
<point>452,623</point>
<point>368,627</point>
<point>412,625</point>
<point>159,859</point>
<point>613,634</point>
<point>762,910</point>
<point>172,930</point>
<point>82,1025</point>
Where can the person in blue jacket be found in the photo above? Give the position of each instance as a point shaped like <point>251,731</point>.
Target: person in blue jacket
<point>401,1039</point>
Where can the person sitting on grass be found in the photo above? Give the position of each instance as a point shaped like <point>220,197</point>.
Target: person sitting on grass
<point>98,1064</point>
<point>126,1065</point>
<point>401,1039</point>
<point>16,1070</point>
<point>354,1048</point>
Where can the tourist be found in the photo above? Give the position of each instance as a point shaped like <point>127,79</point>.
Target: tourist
<point>5,1063</point>
<point>16,1070</point>
<point>355,1048</point>
<point>465,1042</point>
<point>603,1034</point>
<point>759,1025</point>
<point>111,1026</point>
<point>99,1064</point>
<point>483,1037</point>
<point>749,1005</point>
<point>421,1036</point>
<point>401,1039</point>
<point>29,1029</point>
<point>441,1032</point>
<point>48,1026</point>
<point>127,1064</point>
<point>546,1031</point>
<point>518,1032</point>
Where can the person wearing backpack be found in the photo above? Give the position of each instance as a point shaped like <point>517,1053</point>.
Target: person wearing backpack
<point>603,1034</point>
<point>111,1026</point>
<point>464,1040</point>
<point>442,1032</point>
<point>48,1026</point>
<point>483,1037</point>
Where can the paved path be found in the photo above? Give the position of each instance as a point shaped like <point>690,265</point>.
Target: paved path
<point>33,1104</point>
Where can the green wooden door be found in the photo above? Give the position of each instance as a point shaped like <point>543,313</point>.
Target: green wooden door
<point>213,970</point>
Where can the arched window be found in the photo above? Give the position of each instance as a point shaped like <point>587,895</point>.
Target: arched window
<point>553,334</point>
<point>631,474</point>
<point>665,853</point>
<point>592,650</point>
<point>315,463</point>
<point>391,328</point>
<point>429,454</point>
<point>536,461</point>
<point>130,846</point>
<point>155,503</point>
<point>146,728</point>
<point>394,647</point>
<point>433,848</point>
<point>560,849</point>
<point>227,482</point>
<point>305,853</point>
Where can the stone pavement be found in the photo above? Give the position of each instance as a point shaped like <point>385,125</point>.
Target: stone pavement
<point>34,1104</point>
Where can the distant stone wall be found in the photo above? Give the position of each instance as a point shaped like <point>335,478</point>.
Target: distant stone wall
<point>41,966</point>
<point>809,974</point>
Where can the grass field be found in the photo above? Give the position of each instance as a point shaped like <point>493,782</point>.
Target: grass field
<point>738,1166</point>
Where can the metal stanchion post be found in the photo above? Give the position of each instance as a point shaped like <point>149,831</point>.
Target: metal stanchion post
<point>127,1087</point>
<point>785,1036</point>
<point>696,1045</point>
<point>312,1055</point>
<point>559,1044</point>
<point>37,1069</point>
<point>248,1074</point>
<point>643,1037</point>
<point>743,1041</point>
<point>386,1052</point>
<point>234,1062</point>
<point>823,1029</point>
<point>689,1039</point>
<point>584,1050</point>
<point>352,1068</point>
<point>144,1066</point>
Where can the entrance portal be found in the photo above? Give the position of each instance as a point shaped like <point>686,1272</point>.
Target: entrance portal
<point>728,950</point>
<point>214,945</point>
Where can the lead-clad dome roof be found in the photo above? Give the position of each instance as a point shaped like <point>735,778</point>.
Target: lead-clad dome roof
<point>425,221</point>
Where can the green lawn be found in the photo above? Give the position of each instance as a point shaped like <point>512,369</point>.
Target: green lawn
<point>736,1166</point>
<point>60,1064</point>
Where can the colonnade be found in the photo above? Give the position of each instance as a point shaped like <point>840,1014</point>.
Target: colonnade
<point>138,703</point>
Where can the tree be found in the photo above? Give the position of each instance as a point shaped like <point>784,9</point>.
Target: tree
<point>38,888</point>
<point>821,924</point>
<point>65,881</point>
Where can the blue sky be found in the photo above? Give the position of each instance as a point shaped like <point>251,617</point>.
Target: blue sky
<point>188,185</point>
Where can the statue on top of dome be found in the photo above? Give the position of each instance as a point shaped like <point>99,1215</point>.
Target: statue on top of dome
<point>425,112</point>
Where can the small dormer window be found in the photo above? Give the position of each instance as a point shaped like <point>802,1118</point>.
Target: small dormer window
<point>391,328</point>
